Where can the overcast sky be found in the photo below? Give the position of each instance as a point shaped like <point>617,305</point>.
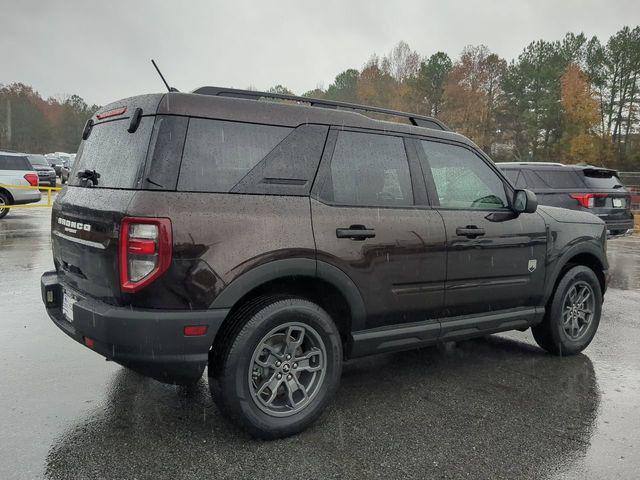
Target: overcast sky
<point>101,50</point>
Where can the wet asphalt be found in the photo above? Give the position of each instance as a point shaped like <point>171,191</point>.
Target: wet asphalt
<point>491,408</point>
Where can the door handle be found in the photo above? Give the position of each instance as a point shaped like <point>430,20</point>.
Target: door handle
<point>355,232</point>
<point>470,231</point>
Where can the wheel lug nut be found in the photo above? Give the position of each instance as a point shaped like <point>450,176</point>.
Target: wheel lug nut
<point>278,364</point>
<point>279,376</point>
<point>295,365</point>
<point>288,357</point>
<point>289,377</point>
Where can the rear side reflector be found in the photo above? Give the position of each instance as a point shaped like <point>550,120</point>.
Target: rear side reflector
<point>32,178</point>
<point>89,342</point>
<point>111,113</point>
<point>195,330</point>
<point>145,251</point>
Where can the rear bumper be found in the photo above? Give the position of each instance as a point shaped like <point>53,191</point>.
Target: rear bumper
<point>151,342</point>
<point>22,196</point>
<point>617,224</point>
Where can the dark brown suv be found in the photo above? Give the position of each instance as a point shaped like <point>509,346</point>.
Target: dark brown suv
<point>272,240</point>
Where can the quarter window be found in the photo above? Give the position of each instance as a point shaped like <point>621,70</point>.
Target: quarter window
<point>462,179</point>
<point>369,169</point>
<point>218,154</point>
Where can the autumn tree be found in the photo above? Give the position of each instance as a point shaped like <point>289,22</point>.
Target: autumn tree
<point>473,95</point>
<point>581,115</point>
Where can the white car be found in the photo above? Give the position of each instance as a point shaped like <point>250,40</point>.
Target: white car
<point>15,170</point>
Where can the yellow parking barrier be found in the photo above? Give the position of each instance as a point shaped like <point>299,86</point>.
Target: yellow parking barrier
<point>49,204</point>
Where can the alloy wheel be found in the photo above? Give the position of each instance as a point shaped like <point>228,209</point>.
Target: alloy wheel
<point>287,369</point>
<point>577,310</point>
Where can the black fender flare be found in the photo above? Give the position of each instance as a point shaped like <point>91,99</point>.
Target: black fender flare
<point>295,267</point>
<point>564,258</point>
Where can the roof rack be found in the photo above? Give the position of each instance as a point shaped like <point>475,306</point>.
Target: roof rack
<point>417,120</point>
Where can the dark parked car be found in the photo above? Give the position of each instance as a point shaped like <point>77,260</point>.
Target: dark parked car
<point>46,173</point>
<point>271,241</point>
<point>578,187</point>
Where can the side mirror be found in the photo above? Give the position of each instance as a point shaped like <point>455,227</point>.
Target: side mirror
<point>524,201</point>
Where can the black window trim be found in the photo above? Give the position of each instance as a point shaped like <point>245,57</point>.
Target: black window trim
<point>431,185</point>
<point>324,170</point>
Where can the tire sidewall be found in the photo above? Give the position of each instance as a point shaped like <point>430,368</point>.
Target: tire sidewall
<point>4,210</point>
<point>559,337</point>
<point>241,353</point>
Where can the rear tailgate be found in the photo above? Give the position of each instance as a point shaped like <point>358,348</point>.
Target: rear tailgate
<point>85,225</point>
<point>612,199</point>
<point>87,215</point>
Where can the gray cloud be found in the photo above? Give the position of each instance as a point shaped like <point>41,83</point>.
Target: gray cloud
<point>101,51</point>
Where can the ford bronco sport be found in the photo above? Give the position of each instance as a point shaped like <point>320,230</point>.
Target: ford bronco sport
<point>272,240</point>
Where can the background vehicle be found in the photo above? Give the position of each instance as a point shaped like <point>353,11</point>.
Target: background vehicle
<point>46,173</point>
<point>578,187</point>
<point>66,168</point>
<point>15,169</point>
<point>58,161</point>
<point>270,241</point>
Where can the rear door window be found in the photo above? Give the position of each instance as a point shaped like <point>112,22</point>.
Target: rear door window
<point>117,155</point>
<point>369,170</point>
<point>218,154</point>
<point>14,162</point>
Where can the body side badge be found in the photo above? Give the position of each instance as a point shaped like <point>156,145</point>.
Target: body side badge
<point>532,265</point>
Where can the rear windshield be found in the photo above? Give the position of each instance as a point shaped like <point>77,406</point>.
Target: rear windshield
<point>38,160</point>
<point>601,179</point>
<point>117,155</point>
<point>14,162</point>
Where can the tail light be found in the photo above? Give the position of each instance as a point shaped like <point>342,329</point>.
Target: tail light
<point>32,178</point>
<point>587,200</point>
<point>145,251</point>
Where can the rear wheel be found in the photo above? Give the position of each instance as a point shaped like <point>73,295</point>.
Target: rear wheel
<point>573,317</point>
<point>277,369</point>
<point>4,200</point>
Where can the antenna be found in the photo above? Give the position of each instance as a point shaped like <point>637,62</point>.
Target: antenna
<point>171,89</point>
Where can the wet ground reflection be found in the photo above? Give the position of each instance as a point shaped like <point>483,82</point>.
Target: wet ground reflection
<point>489,408</point>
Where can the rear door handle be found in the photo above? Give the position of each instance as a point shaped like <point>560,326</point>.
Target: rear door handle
<point>470,231</point>
<point>355,232</point>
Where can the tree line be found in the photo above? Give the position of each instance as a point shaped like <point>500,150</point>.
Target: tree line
<point>31,124</point>
<point>571,100</point>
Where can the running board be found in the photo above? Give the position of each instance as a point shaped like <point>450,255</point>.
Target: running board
<point>420,334</point>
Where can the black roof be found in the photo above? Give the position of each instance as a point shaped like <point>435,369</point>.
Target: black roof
<point>247,106</point>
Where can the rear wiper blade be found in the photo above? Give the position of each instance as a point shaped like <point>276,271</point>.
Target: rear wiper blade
<point>618,186</point>
<point>87,176</point>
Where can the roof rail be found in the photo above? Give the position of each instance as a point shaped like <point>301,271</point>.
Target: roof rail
<point>417,120</point>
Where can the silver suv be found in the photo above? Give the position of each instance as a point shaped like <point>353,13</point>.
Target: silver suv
<point>16,171</point>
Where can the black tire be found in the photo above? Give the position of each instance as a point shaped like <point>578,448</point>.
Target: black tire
<point>4,200</point>
<point>232,365</point>
<point>551,334</point>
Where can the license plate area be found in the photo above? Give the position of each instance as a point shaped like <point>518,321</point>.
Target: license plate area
<point>618,203</point>
<point>68,301</point>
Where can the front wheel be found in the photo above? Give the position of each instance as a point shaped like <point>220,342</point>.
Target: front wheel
<point>276,371</point>
<point>573,317</point>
